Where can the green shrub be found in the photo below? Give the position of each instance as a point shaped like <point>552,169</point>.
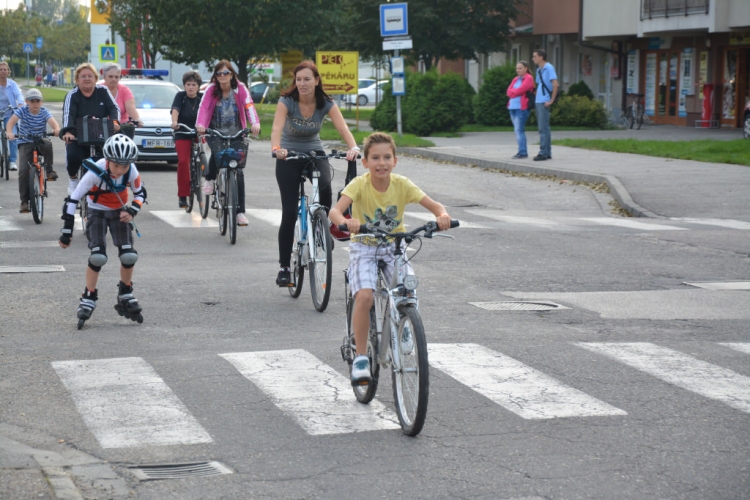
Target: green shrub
<point>432,103</point>
<point>491,102</point>
<point>580,89</point>
<point>578,111</point>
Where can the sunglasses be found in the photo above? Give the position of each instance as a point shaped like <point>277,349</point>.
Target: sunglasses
<point>223,73</point>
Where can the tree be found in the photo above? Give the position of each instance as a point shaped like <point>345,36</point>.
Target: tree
<point>450,29</point>
<point>68,41</point>
<point>133,21</point>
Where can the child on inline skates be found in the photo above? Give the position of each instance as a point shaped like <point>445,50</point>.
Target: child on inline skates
<point>105,186</point>
<point>377,198</point>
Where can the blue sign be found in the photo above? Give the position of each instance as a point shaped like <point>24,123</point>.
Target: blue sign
<point>39,41</point>
<point>28,48</point>
<point>393,19</point>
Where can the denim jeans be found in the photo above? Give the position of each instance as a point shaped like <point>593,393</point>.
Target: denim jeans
<point>13,149</point>
<point>519,117</point>
<point>542,120</point>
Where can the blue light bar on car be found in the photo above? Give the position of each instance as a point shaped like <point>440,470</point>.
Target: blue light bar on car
<point>145,72</point>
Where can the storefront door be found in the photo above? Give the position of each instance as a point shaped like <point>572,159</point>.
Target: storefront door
<point>667,91</point>
<point>736,88</point>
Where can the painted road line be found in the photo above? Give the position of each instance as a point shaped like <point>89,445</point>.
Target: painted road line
<point>181,219</point>
<point>29,244</point>
<point>737,346</point>
<point>681,370</point>
<point>31,269</point>
<point>8,224</point>
<point>728,223</point>
<point>632,224</point>
<point>430,217</point>
<point>316,396</point>
<point>125,403</point>
<point>270,215</point>
<point>514,219</point>
<point>513,385</point>
<point>721,285</point>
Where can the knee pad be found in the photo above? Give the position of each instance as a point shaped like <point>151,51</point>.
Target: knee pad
<point>97,259</point>
<point>128,256</point>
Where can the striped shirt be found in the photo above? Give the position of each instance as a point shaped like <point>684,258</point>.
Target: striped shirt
<point>29,124</point>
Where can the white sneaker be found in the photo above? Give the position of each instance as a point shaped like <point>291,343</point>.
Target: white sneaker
<point>242,220</point>
<point>361,370</point>
<point>72,185</point>
<point>13,166</point>
<point>208,187</point>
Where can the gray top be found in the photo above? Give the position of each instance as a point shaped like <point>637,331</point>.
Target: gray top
<point>302,134</point>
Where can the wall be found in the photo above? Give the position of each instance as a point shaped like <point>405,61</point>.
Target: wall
<point>608,18</point>
<point>556,16</point>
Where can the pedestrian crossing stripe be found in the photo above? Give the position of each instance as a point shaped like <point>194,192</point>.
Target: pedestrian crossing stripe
<point>737,346</point>
<point>182,219</point>
<point>8,224</point>
<point>269,215</point>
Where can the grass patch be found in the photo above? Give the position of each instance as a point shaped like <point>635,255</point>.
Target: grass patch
<point>50,94</point>
<point>735,152</point>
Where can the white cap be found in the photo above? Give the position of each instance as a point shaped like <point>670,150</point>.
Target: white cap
<point>34,94</point>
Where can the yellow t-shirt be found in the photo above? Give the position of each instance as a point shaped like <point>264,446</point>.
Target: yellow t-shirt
<point>384,210</point>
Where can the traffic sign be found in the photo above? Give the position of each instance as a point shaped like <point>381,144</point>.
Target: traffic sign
<point>39,41</point>
<point>107,53</point>
<point>338,71</point>
<point>394,19</point>
<point>28,48</point>
<point>397,43</point>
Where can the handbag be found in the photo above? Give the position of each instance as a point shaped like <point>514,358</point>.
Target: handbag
<point>91,130</point>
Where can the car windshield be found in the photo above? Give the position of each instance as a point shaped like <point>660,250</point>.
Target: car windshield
<point>153,96</point>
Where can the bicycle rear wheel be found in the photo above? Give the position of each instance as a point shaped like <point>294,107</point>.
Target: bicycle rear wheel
<point>411,383</point>
<point>191,198</point>
<point>364,393</point>
<point>6,156</point>
<point>198,188</point>
<point>321,266</point>
<point>36,200</point>
<point>639,117</point>
<point>232,206</point>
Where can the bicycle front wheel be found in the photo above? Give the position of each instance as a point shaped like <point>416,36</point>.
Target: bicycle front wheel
<point>364,393</point>
<point>6,157</point>
<point>197,185</point>
<point>36,200</point>
<point>220,195</point>
<point>411,382</point>
<point>231,208</point>
<point>298,272</point>
<point>639,117</point>
<point>321,266</point>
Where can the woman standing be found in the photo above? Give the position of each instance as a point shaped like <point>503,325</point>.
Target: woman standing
<point>296,126</point>
<point>10,95</point>
<point>227,107</point>
<point>185,111</point>
<point>123,97</point>
<point>85,99</point>
<point>518,105</point>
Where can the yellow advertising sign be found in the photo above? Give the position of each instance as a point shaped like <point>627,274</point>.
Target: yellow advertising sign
<point>289,60</point>
<point>338,71</point>
<point>99,12</point>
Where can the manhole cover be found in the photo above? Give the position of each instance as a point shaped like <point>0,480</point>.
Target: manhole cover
<point>178,471</point>
<point>518,305</point>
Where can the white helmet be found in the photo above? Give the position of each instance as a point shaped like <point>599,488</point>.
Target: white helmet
<point>120,149</point>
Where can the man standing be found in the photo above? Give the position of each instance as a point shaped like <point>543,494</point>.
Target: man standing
<point>546,93</point>
<point>10,95</point>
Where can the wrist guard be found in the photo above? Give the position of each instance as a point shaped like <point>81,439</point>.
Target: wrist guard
<point>133,209</point>
<point>67,230</point>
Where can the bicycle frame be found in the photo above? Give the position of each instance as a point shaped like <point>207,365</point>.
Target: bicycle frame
<point>305,211</point>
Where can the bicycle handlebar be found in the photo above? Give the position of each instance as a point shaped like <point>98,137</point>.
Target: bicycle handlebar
<point>428,229</point>
<point>215,133</point>
<point>35,137</point>
<point>189,130</point>
<point>296,155</point>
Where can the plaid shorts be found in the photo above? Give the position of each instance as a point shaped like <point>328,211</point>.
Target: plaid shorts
<point>363,265</point>
<point>96,229</point>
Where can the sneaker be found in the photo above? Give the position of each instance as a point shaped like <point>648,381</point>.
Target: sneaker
<point>183,202</point>
<point>24,207</point>
<point>51,175</point>
<point>407,341</point>
<point>542,157</point>
<point>208,187</point>
<point>72,185</point>
<point>361,371</point>
<point>13,166</point>
<point>518,157</point>
<point>284,279</point>
<point>242,220</point>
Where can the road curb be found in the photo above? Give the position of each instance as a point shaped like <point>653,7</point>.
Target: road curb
<point>616,189</point>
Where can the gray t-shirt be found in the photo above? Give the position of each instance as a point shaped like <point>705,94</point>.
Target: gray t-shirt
<point>302,134</point>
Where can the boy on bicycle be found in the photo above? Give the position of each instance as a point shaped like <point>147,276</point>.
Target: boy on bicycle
<point>378,198</point>
<point>32,119</point>
<point>105,185</point>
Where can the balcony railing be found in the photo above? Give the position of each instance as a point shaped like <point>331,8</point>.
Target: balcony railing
<point>671,8</point>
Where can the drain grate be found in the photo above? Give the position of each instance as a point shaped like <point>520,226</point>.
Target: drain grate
<point>518,305</point>
<point>178,471</point>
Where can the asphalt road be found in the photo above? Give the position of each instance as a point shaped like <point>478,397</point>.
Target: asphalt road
<point>638,387</point>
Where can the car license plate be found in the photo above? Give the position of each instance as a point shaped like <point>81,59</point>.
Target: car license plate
<point>158,143</point>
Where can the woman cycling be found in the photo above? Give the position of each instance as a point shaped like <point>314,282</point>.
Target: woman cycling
<point>227,107</point>
<point>185,111</point>
<point>123,97</point>
<point>296,127</point>
<point>86,99</point>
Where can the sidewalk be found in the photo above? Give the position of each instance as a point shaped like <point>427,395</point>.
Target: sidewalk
<point>646,186</point>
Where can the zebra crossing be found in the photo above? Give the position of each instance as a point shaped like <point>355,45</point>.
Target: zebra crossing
<point>125,403</point>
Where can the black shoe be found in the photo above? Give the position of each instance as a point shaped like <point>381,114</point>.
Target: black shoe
<point>284,279</point>
<point>51,175</point>
<point>541,157</point>
<point>183,202</point>
<point>519,157</point>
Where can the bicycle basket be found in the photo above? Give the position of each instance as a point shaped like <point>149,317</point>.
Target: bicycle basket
<point>91,130</point>
<point>236,150</point>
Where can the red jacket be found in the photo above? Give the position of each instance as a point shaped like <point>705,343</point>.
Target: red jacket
<point>526,85</point>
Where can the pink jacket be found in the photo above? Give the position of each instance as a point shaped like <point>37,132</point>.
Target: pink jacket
<point>526,85</point>
<point>241,97</point>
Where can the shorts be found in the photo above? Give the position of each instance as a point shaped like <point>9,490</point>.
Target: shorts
<point>96,229</point>
<point>363,265</point>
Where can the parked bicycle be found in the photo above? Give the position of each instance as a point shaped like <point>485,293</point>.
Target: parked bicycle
<point>634,112</point>
<point>198,165</point>
<point>37,176</point>
<point>312,245</point>
<point>396,340</point>
<point>5,152</point>
<point>230,155</point>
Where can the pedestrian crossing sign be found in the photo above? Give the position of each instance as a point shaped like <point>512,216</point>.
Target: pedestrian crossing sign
<point>107,53</point>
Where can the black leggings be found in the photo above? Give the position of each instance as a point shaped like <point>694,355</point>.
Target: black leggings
<point>74,156</point>
<point>288,173</point>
